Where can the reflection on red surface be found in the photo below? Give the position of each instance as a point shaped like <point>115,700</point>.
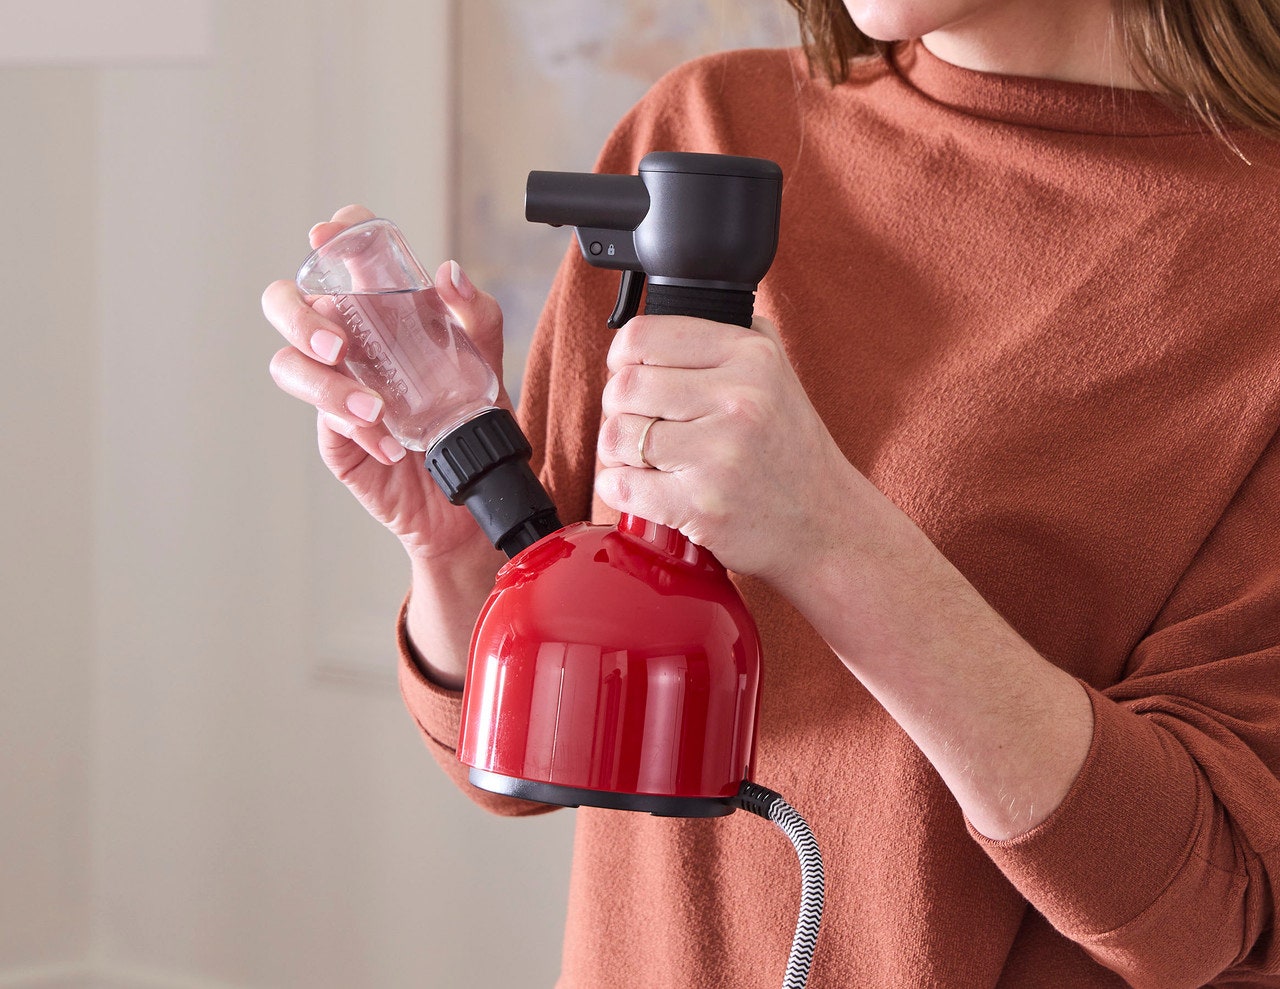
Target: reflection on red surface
<point>614,658</point>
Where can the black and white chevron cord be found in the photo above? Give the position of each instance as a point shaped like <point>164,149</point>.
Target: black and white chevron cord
<point>768,804</point>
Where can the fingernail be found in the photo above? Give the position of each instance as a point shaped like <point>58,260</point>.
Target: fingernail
<point>461,282</point>
<point>364,405</point>
<point>326,345</point>
<point>392,450</point>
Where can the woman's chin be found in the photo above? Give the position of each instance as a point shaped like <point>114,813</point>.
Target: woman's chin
<point>898,20</point>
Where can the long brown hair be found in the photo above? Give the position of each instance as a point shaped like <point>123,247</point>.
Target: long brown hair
<point>1220,59</point>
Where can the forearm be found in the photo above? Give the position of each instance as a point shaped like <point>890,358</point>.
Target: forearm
<point>445,598</point>
<point>1006,730</point>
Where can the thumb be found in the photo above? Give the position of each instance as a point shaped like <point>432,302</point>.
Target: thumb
<point>478,312</point>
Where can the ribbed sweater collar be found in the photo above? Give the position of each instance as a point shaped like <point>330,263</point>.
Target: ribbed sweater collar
<point>1031,102</point>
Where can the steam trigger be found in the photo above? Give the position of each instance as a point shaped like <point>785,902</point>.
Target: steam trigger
<point>628,303</point>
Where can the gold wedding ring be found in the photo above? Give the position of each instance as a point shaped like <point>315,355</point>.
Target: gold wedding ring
<point>644,437</point>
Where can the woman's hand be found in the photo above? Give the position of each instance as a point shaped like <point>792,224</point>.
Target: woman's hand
<point>452,562</point>
<point>742,464</point>
<point>739,460</point>
<point>354,443</point>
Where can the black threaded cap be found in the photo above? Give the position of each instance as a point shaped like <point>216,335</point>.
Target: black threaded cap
<point>474,448</point>
<point>484,464</point>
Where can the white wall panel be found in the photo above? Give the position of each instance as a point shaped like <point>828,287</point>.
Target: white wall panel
<point>62,32</point>
<point>47,409</point>
<point>184,801</point>
<point>257,825</point>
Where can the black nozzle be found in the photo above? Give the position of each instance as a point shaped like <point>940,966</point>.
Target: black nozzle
<point>689,220</point>
<point>578,199</point>
<point>484,464</point>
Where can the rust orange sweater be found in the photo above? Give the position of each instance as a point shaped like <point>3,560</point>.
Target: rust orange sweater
<point>1044,319</point>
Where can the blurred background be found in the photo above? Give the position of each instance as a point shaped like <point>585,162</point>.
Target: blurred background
<point>207,779</point>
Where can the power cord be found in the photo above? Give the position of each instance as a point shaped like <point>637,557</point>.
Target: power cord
<point>763,802</point>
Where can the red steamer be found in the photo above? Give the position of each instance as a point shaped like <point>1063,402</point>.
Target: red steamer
<point>614,667</point>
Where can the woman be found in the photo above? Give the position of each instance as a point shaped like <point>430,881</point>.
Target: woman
<point>997,474</point>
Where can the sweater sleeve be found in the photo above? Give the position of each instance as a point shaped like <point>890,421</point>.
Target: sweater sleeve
<point>438,715</point>
<point>1163,860</point>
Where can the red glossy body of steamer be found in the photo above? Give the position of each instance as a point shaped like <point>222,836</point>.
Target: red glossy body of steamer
<point>617,659</point>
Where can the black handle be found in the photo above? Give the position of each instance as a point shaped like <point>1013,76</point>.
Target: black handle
<point>722,305</point>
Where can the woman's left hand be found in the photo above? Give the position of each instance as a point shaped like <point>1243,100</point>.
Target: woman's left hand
<point>738,459</point>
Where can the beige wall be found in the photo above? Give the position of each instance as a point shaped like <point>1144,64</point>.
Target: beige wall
<point>206,775</point>
<point>47,410</point>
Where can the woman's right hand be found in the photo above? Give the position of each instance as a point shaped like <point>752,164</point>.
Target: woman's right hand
<point>355,445</point>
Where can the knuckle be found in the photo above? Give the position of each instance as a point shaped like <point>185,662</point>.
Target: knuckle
<point>638,328</point>
<point>710,509</point>
<point>606,487</point>
<point>279,366</point>
<point>760,351</point>
<point>613,397</point>
<point>766,328</point>
<point>745,406</point>
<point>610,439</point>
<point>338,424</point>
<point>279,300</point>
<point>624,490</point>
<point>613,485</point>
<point>627,343</point>
<point>736,463</point>
<point>299,320</point>
<point>299,376</point>
<point>625,384</point>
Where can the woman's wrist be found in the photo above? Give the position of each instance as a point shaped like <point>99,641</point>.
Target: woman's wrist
<point>846,559</point>
<point>445,598</point>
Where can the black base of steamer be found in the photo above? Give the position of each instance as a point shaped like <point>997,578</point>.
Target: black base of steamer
<point>573,796</point>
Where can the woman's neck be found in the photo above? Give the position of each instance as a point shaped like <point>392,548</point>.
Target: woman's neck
<point>1071,42</point>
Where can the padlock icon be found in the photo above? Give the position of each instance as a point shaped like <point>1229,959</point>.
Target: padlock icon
<point>611,251</point>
